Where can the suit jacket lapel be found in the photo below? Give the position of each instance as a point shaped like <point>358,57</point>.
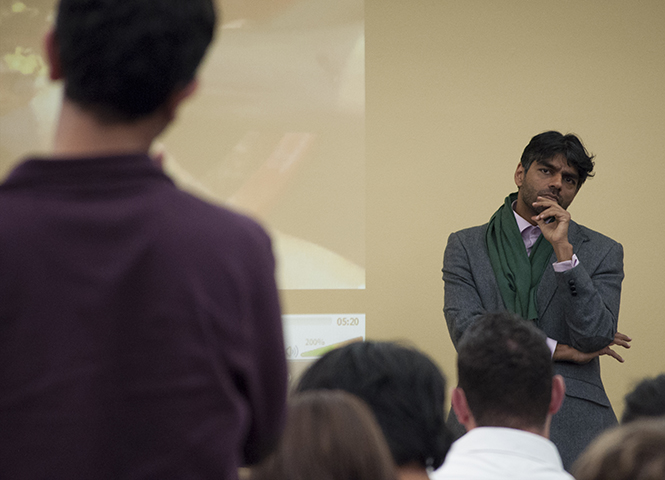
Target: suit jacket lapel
<point>548,283</point>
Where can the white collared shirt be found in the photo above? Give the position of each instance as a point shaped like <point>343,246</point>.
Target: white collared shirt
<point>499,453</point>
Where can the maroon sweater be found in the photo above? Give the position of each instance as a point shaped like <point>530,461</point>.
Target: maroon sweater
<point>140,331</point>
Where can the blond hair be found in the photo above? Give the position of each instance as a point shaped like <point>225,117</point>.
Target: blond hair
<point>635,451</point>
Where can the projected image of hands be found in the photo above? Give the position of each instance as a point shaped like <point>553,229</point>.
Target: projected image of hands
<point>276,131</point>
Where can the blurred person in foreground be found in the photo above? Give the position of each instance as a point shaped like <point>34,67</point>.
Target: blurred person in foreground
<point>405,391</point>
<point>646,400</point>
<point>633,451</point>
<point>506,397</point>
<point>331,435</point>
<point>140,326</point>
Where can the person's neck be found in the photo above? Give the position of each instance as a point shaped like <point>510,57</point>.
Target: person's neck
<point>80,134</point>
<point>412,472</point>
<point>520,208</point>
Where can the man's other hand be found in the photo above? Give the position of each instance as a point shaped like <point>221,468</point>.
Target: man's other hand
<point>566,353</point>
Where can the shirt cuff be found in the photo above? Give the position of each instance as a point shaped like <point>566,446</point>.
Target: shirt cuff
<point>552,344</point>
<point>566,265</point>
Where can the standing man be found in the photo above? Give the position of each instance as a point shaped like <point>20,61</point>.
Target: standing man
<point>533,260</point>
<point>140,330</point>
<point>506,396</point>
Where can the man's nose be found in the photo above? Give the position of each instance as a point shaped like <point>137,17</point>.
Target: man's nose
<point>555,181</point>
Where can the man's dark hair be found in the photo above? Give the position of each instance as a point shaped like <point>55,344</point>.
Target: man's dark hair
<point>549,144</point>
<point>646,400</point>
<point>505,370</point>
<point>121,59</point>
<point>402,386</point>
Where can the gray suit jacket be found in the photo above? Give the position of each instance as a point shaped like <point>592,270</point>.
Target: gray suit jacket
<point>579,307</point>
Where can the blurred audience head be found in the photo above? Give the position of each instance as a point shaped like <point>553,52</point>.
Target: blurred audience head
<point>404,389</point>
<point>329,435</point>
<point>124,59</point>
<point>646,400</point>
<point>506,376</point>
<point>633,451</point>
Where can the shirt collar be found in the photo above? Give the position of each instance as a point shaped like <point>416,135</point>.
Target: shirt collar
<point>522,224</point>
<point>508,440</point>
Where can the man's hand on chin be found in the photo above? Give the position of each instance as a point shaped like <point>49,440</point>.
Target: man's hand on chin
<point>566,353</point>
<point>553,221</point>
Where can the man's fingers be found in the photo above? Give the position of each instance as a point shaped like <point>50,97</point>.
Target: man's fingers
<point>568,353</point>
<point>621,336</point>
<point>612,353</point>
<point>621,339</point>
<point>621,343</point>
<point>545,202</point>
<point>550,208</point>
<point>548,213</point>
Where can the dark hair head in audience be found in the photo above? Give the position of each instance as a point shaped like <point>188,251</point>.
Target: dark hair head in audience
<point>505,370</point>
<point>404,389</point>
<point>633,451</point>
<point>646,400</point>
<point>122,59</point>
<point>550,144</point>
<point>329,435</point>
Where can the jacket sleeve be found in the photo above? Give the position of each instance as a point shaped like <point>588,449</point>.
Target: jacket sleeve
<point>590,301</point>
<point>462,303</point>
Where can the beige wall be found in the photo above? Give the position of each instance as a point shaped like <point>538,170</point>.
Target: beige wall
<point>455,90</point>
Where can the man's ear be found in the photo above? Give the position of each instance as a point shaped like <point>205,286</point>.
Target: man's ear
<point>52,55</point>
<point>519,175</point>
<point>178,96</point>
<point>558,394</point>
<point>461,407</point>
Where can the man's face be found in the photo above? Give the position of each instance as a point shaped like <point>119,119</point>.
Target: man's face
<point>551,178</point>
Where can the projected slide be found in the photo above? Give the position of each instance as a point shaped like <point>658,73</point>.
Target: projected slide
<point>28,102</point>
<point>307,337</point>
<point>276,129</point>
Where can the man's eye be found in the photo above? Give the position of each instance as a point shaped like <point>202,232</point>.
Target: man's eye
<point>572,181</point>
<point>545,170</point>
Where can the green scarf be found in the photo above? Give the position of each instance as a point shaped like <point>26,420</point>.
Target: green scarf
<point>517,273</point>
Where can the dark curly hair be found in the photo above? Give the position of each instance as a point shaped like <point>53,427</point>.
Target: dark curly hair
<point>549,144</point>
